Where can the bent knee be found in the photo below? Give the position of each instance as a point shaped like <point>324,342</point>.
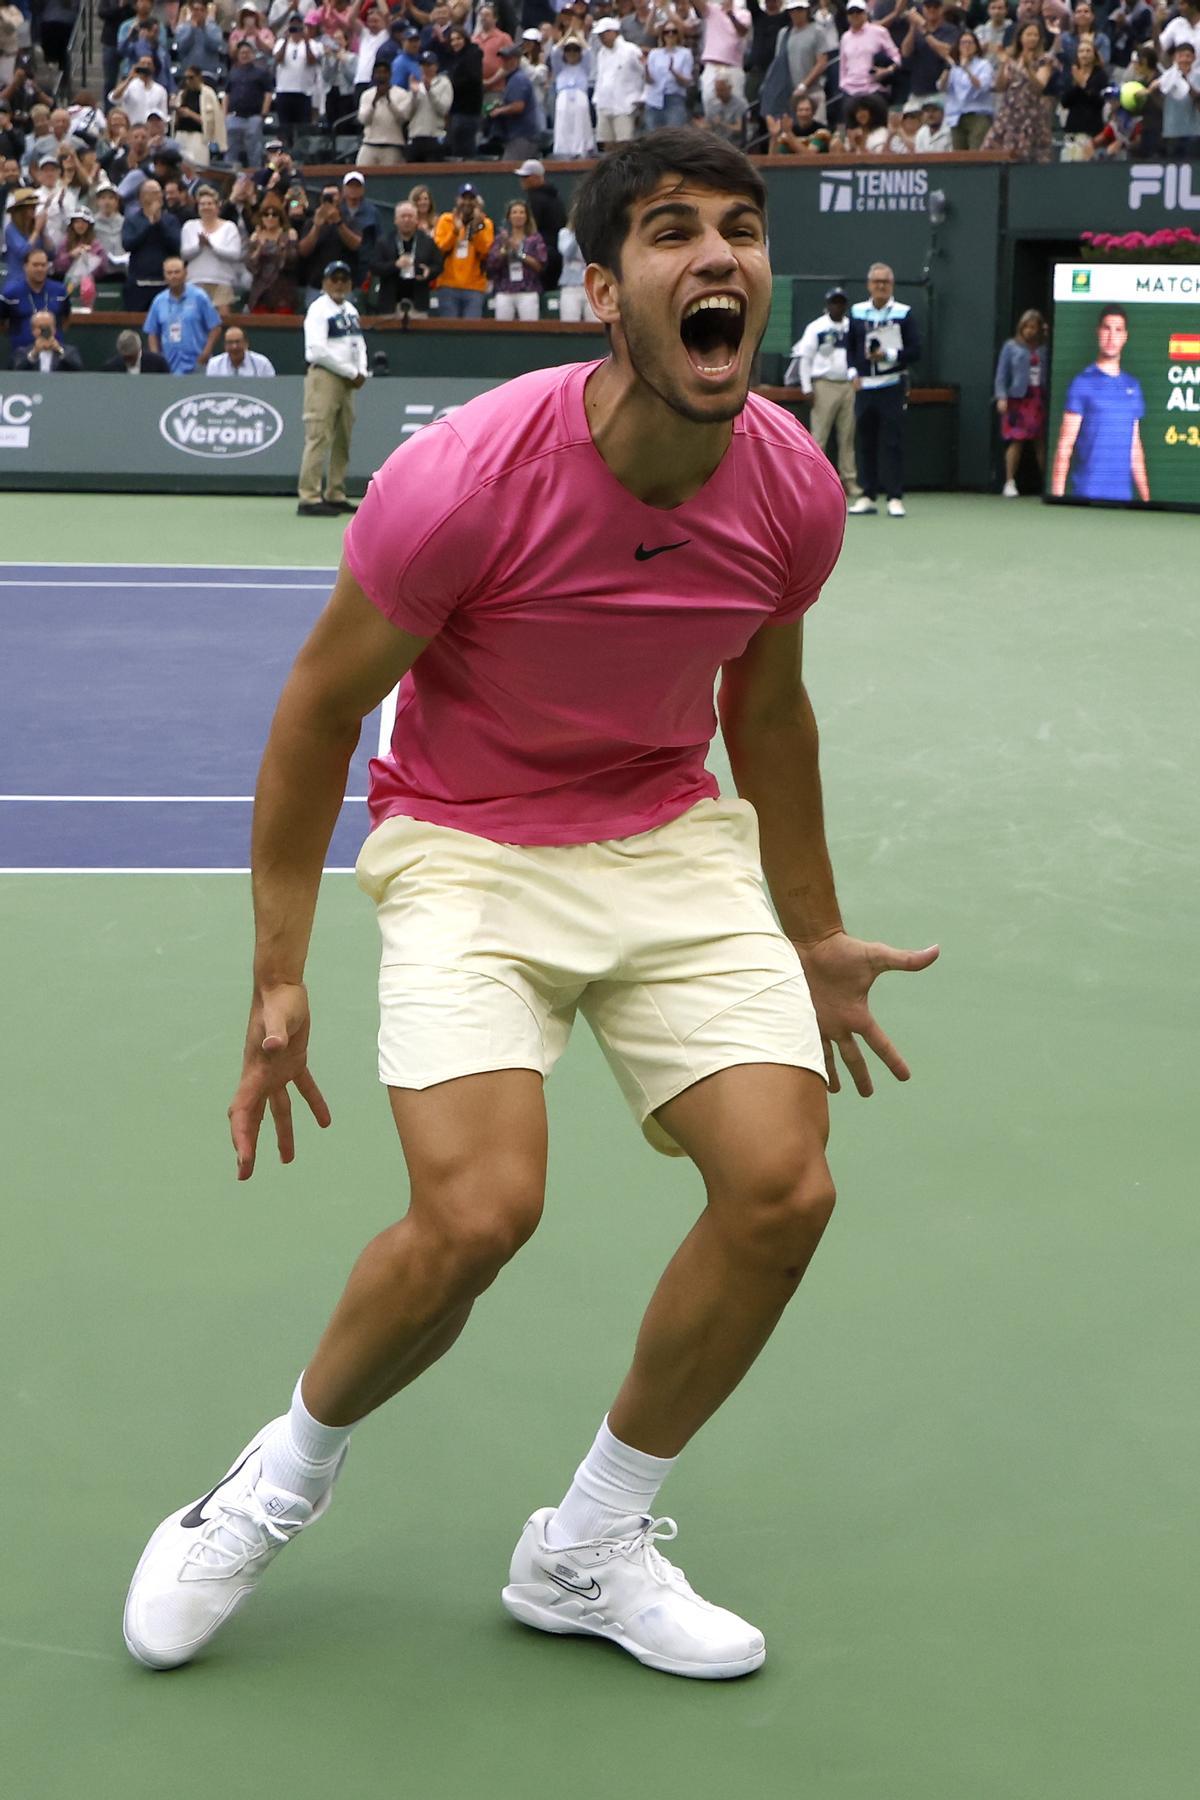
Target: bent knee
<point>476,1221</point>
<point>780,1210</point>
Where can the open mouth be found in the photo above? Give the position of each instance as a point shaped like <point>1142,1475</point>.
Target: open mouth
<point>712,330</point>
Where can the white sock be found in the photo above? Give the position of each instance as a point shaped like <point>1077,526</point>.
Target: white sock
<point>612,1482</point>
<point>301,1455</point>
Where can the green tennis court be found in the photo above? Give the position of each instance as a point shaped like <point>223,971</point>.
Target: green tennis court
<point>958,1492</point>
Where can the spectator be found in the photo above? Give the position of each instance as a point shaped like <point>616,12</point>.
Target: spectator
<point>12,141</point>
<point>272,258</point>
<point>86,119</point>
<point>798,71</point>
<point>516,117</point>
<point>768,22</point>
<point>23,92</point>
<point>124,149</point>
<point>725,111</point>
<point>140,92</point>
<point>199,119</point>
<point>331,235</point>
<point>112,15</point>
<point>1082,100</point>
<point>536,65</point>
<point>573,134</point>
<point>132,359</point>
<point>406,64</point>
<point>107,227</point>
<point>1130,23</point>
<point>47,355</point>
<point>928,48</point>
<point>137,37</point>
<point>241,208</point>
<point>490,41</point>
<point>969,87</point>
<point>933,136</point>
<point>337,367</point>
<point>1083,25</point>
<point>406,261</point>
<point>383,113</point>
<point>669,70</point>
<point>297,59</point>
<point>177,200</point>
<point>1184,28</point>
<point>993,33</point>
<point>212,249</point>
<point>464,238</point>
<point>464,66</point>
<point>1020,393</point>
<point>339,65</point>
<point>251,29</point>
<point>800,132</point>
<point>860,47</point>
<point>81,262</point>
<point>819,368</point>
<point>31,292</point>
<point>200,42</point>
<point>247,100</point>
<point>515,263</point>
<point>882,346</point>
<point>573,305</point>
<point>182,324</point>
<point>1022,122</point>
<point>1180,89</point>
<point>432,96</point>
<point>726,29</point>
<point>236,361</point>
<point>620,84</point>
<point>278,172</point>
<point>640,23</point>
<point>360,221</point>
<point>372,46</point>
<point>24,228</point>
<point>865,132</point>
<point>549,214</point>
<point>150,234</point>
<point>422,199</point>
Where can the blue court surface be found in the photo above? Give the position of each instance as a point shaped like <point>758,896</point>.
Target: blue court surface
<point>136,701</point>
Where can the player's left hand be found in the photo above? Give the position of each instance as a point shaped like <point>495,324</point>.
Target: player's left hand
<point>840,971</point>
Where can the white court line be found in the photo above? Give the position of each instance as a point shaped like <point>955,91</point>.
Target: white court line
<point>387,720</point>
<point>174,869</point>
<point>59,1650</point>
<point>145,799</point>
<point>209,587</point>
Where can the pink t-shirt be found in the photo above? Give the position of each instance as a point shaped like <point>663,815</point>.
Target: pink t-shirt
<point>576,633</point>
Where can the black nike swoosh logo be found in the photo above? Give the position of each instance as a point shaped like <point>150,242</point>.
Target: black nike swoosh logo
<point>591,1592</point>
<point>195,1518</point>
<point>641,554</point>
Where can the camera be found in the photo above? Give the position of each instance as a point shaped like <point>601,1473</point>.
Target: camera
<point>874,346</point>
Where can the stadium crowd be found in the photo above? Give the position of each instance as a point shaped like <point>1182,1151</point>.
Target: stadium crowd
<point>194,148</point>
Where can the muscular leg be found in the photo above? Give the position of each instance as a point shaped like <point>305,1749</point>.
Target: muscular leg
<point>476,1155</point>
<point>757,1134</point>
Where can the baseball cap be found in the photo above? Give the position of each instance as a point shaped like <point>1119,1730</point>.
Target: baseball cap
<point>856,5</point>
<point>428,56</point>
<point>468,187</point>
<point>51,156</point>
<point>836,293</point>
<point>797,5</point>
<point>532,35</point>
<point>608,25</point>
<point>274,144</point>
<point>411,31</point>
<point>531,166</point>
<point>335,268</point>
<point>353,175</point>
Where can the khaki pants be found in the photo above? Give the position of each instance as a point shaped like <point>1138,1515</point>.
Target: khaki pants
<point>328,422</point>
<point>833,404</point>
<point>379,156</point>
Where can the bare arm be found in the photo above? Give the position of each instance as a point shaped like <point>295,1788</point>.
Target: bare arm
<point>771,736</point>
<point>1068,432</point>
<point>352,658</point>
<point>1141,480</point>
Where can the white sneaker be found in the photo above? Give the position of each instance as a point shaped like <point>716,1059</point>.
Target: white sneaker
<point>862,505</point>
<point>206,1560</point>
<point>1010,491</point>
<point>622,1589</point>
<point>896,509</point>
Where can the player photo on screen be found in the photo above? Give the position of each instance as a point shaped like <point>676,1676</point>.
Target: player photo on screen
<point>1099,449</point>
<point>1125,385</point>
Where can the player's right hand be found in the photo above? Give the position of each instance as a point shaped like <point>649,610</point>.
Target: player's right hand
<point>275,1057</point>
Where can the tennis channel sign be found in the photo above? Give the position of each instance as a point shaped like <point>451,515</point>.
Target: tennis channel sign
<point>874,190</point>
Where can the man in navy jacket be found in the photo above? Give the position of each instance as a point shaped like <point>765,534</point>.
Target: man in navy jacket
<point>883,345</point>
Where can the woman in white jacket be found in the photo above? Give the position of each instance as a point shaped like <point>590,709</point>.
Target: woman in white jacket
<point>212,249</point>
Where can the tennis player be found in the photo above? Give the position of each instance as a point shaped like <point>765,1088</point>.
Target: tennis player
<point>557,574</point>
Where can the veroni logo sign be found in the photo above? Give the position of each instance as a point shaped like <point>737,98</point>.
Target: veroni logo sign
<point>221,426</point>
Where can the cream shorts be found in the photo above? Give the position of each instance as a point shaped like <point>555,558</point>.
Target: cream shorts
<point>665,942</point>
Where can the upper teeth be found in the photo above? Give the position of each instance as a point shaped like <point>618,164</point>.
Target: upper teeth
<point>722,302</point>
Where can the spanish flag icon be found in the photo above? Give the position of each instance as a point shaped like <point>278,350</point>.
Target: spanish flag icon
<point>1184,346</point>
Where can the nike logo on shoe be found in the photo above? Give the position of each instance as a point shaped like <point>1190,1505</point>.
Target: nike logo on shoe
<point>195,1518</point>
<point>641,554</point>
<point>591,1592</point>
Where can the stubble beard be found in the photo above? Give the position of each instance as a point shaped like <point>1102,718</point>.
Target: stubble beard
<point>647,366</point>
